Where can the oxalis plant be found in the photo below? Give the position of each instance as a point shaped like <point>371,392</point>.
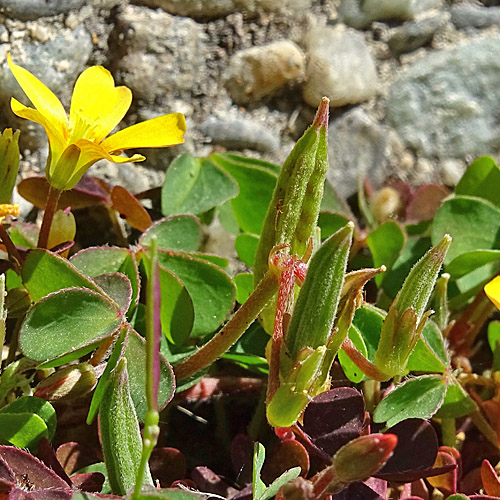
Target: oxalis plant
<point>365,371</point>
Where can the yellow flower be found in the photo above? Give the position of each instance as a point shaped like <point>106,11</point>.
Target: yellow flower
<point>492,290</point>
<point>8,209</point>
<point>97,106</point>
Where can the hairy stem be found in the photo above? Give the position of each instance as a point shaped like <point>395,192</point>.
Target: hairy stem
<point>232,331</point>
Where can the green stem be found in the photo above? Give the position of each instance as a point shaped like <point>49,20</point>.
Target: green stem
<point>151,428</point>
<point>14,341</point>
<point>50,209</point>
<point>371,392</point>
<point>232,331</point>
<point>449,432</point>
<point>150,327</point>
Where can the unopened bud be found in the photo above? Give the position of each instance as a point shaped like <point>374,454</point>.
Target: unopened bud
<point>9,163</point>
<point>361,458</point>
<point>69,382</point>
<point>406,317</point>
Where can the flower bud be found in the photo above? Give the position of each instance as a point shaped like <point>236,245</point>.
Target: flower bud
<point>361,458</point>
<point>69,382</point>
<point>9,163</point>
<point>406,317</point>
<point>294,209</point>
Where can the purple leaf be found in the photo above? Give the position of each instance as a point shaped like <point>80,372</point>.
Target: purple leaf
<point>358,491</point>
<point>209,482</point>
<point>414,454</point>
<point>167,465</point>
<point>28,469</point>
<point>241,457</point>
<point>90,481</point>
<point>49,458</point>
<point>333,418</point>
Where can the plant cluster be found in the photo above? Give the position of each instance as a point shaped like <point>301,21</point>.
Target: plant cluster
<point>364,370</point>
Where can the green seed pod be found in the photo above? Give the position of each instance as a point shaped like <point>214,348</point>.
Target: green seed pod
<point>67,383</point>
<point>294,209</point>
<point>120,433</point>
<point>439,301</point>
<point>406,317</point>
<point>9,163</point>
<point>316,306</point>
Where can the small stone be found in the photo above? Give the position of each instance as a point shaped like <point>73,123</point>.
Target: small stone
<point>358,146</point>
<point>361,13</point>
<point>161,56</point>
<point>39,33</point>
<point>452,170</point>
<point>446,104</point>
<point>415,34</point>
<point>202,10</point>
<point>4,34</point>
<point>132,176</point>
<point>241,133</point>
<point>28,10</point>
<point>260,71</point>
<point>466,15</point>
<point>339,67</point>
<point>57,63</point>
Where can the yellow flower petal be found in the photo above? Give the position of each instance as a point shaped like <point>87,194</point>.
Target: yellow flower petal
<point>57,142</point>
<point>42,97</point>
<point>492,290</point>
<point>166,130</point>
<point>90,152</point>
<point>97,106</point>
<point>8,209</point>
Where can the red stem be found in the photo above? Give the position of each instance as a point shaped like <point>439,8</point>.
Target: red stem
<point>50,209</point>
<point>9,245</point>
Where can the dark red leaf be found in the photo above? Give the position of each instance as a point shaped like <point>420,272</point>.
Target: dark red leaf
<point>130,208</point>
<point>90,481</point>
<point>491,483</point>
<point>284,456</point>
<point>209,482</point>
<point>167,465</point>
<point>335,417</point>
<point>358,491</point>
<point>74,456</point>
<point>87,193</point>
<point>47,455</point>
<point>28,469</point>
<point>241,457</point>
<point>415,453</point>
<point>425,202</point>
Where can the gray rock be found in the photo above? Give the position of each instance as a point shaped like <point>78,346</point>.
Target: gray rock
<point>415,34</point>
<point>259,71</point>
<point>132,176</point>
<point>27,10</point>
<point>466,15</point>
<point>446,104</point>
<point>339,67</point>
<point>57,63</point>
<point>211,9</point>
<point>240,133</point>
<point>161,55</point>
<point>358,146</point>
<point>361,13</point>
